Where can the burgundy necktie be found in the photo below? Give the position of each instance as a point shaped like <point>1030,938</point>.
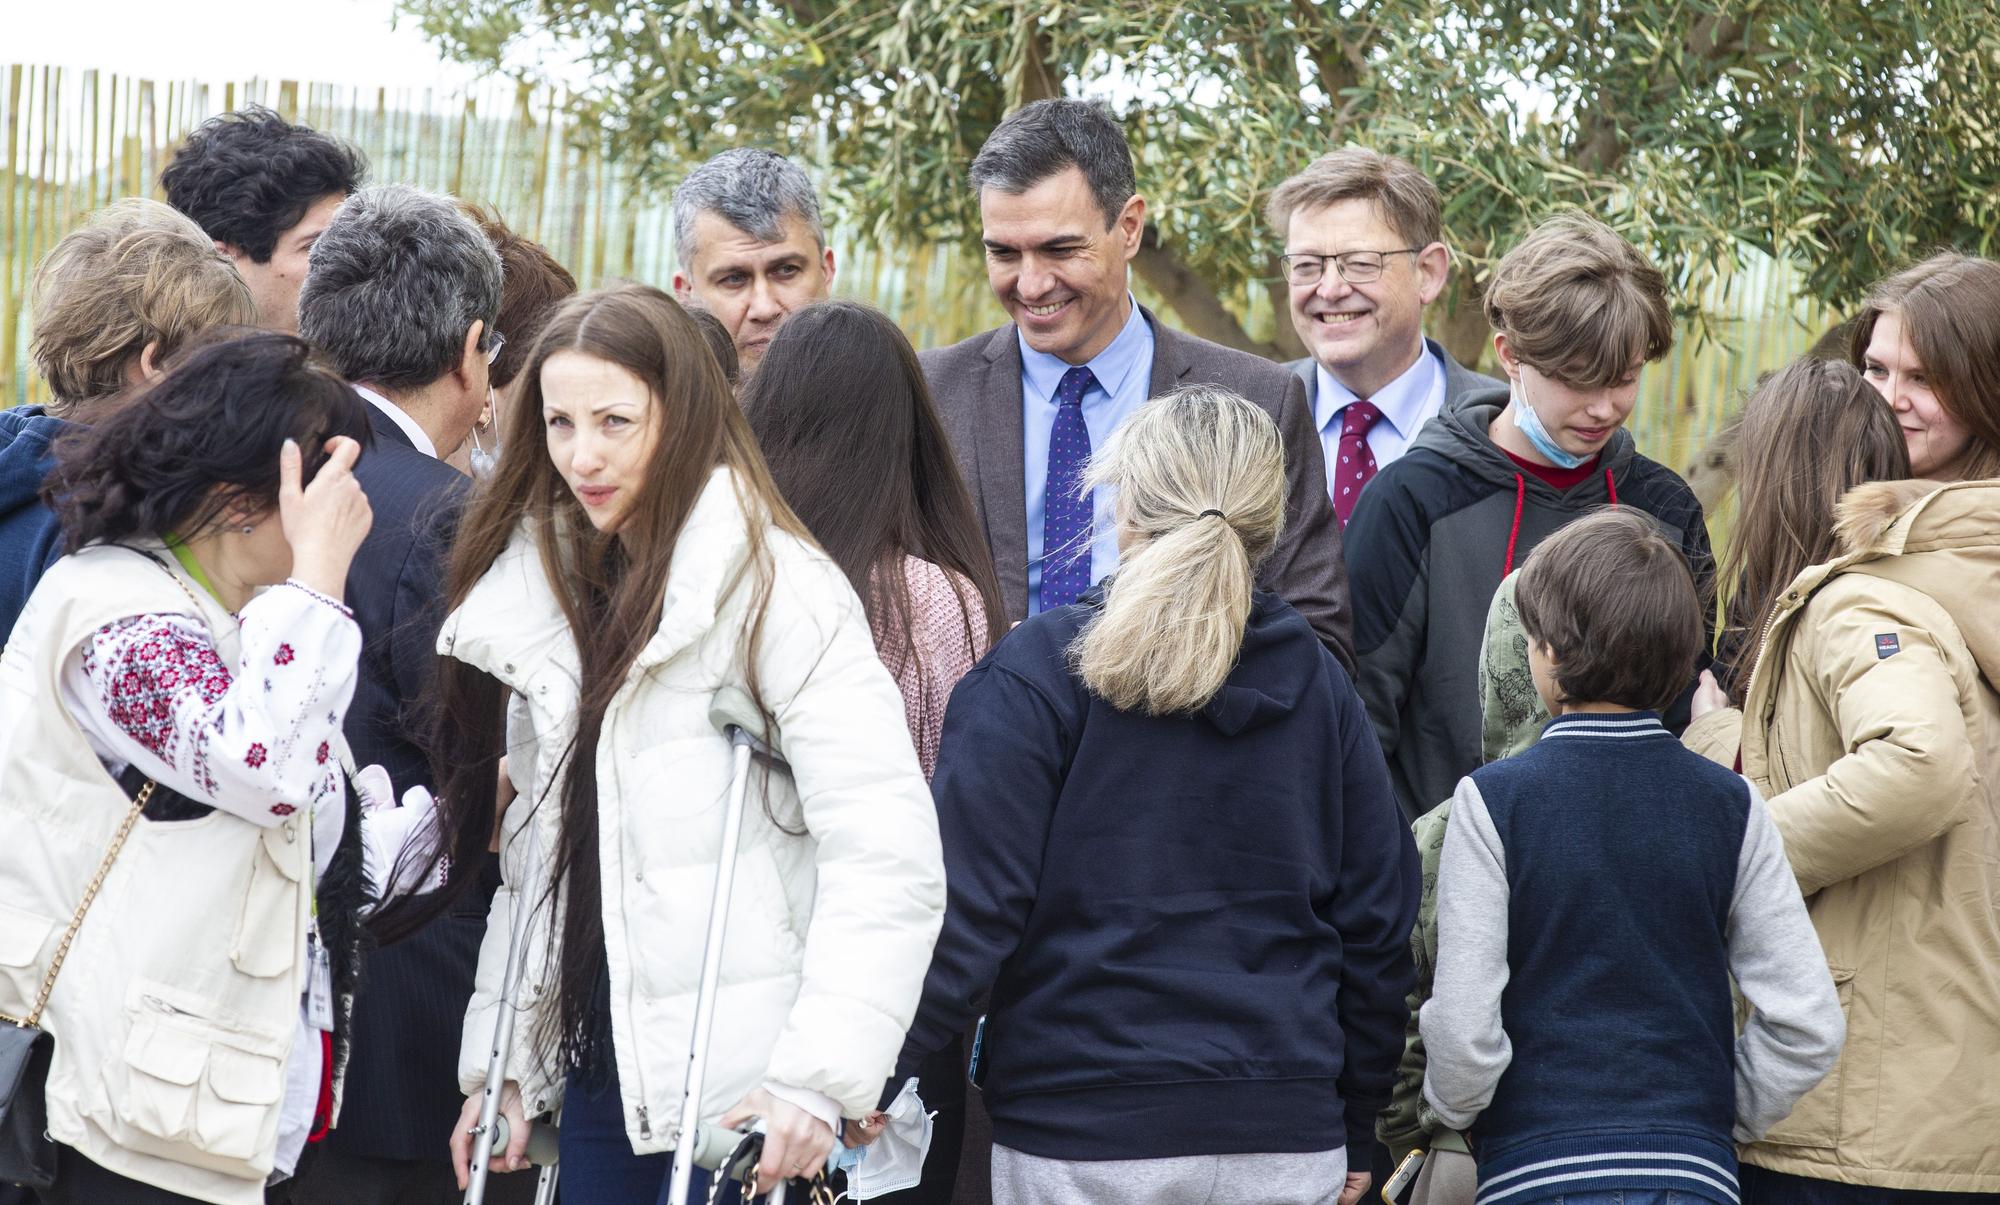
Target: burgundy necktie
<point>1357,463</point>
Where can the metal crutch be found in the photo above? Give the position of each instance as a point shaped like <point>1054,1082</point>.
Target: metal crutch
<point>696,1144</point>
<point>491,1130</point>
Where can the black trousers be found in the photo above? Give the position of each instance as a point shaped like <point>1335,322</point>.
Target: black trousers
<point>1761,1186</point>
<point>81,1182</point>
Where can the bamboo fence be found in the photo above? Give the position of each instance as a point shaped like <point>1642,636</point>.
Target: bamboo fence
<point>77,140</point>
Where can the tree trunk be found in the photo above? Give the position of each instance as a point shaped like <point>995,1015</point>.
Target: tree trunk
<point>1459,323</point>
<point>1286,336</point>
<point>1193,300</point>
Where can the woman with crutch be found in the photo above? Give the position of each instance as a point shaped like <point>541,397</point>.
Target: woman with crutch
<point>625,585</point>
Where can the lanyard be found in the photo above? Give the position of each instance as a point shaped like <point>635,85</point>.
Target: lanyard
<point>319,976</point>
<point>180,550</point>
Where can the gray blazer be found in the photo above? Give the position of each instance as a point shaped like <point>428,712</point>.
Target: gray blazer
<point>977,385</point>
<point>1458,379</point>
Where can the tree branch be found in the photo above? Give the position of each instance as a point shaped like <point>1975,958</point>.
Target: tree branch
<point>1338,63</point>
<point>1712,43</point>
<point>1039,77</point>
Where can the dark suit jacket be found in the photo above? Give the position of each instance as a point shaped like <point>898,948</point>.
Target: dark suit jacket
<point>401,1096</point>
<point>977,384</point>
<point>1458,379</point>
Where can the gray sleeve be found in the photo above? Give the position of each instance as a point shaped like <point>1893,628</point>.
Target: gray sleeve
<point>1467,1048</point>
<point>1795,1028</point>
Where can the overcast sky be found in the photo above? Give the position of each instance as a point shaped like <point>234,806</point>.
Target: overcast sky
<point>323,41</point>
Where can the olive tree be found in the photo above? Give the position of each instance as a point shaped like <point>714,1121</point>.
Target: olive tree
<point>1844,135</point>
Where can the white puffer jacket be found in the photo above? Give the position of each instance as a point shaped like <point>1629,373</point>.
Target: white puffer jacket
<point>830,932</point>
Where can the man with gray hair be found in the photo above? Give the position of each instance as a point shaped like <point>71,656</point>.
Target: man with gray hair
<point>750,245</point>
<point>400,295</point>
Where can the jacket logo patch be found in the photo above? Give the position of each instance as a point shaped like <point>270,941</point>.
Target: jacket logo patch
<point>1886,645</point>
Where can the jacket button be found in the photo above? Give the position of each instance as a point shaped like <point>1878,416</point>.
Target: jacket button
<point>638,876</point>
<point>507,668</point>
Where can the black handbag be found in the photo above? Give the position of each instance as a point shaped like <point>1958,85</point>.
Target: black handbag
<point>27,1153</point>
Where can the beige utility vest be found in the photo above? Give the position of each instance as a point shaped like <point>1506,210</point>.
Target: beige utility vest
<point>177,1008</point>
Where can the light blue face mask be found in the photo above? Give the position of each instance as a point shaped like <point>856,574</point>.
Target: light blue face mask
<point>1528,423</point>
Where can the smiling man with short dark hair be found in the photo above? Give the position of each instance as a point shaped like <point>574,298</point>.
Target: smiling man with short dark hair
<point>1025,405</point>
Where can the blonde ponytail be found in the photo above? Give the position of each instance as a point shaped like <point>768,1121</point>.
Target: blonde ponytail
<point>1200,475</point>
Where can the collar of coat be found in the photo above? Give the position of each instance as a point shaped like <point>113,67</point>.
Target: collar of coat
<point>512,627</point>
<point>1941,539</point>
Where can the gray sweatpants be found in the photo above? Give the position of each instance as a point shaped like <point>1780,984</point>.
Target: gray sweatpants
<point>1280,1179</point>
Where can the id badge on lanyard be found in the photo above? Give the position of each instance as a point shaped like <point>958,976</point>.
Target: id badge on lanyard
<point>319,983</point>
<point>319,973</point>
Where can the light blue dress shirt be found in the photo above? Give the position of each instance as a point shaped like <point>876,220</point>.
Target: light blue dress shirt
<point>1124,373</point>
<point>1406,403</point>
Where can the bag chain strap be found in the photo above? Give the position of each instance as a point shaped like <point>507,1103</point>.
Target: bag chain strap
<point>89,893</point>
<point>34,1018</point>
<point>821,1190</point>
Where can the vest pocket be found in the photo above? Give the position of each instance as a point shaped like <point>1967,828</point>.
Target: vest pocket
<point>266,942</point>
<point>196,1094</point>
<point>22,936</point>
<point>1816,1120</point>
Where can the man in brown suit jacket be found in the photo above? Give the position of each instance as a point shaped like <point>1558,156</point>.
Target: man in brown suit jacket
<point>1061,221</point>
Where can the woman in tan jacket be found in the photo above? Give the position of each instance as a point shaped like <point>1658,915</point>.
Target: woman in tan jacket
<point>1871,721</point>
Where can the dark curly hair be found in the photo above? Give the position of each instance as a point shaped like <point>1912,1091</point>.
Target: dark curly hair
<point>219,419</point>
<point>247,177</point>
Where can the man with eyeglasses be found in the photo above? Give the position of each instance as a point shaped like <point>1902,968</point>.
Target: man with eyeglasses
<point>1363,259</point>
<point>401,294</point>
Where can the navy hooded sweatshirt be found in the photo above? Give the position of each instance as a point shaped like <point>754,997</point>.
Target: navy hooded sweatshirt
<point>30,538</point>
<point>1190,933</point>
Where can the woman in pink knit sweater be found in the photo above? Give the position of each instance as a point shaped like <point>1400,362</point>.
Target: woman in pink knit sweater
<point>841,410</point>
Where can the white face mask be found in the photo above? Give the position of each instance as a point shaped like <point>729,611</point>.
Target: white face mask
<point>895,1160</point>
<point>482,461</point>
<point>1530,424</point>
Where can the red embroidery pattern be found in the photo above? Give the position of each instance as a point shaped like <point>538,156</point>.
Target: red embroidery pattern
<point>146,677</point>
<point>255,756</point>
<point>284,655</point>
<point>282,809</point>
<point>322,754</point>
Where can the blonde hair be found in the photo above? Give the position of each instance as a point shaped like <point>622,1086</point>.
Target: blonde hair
<point>137,272</point>
<point>1406,197</point>
<point>1580,304</point>
<point>1172,623</point>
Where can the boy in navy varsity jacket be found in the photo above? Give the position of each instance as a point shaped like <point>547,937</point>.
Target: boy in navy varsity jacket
<point>1595,896</point>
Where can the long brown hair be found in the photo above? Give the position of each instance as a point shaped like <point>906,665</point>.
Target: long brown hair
<point>841,410</point>
<point>1810,433</point>
<point>610,587</point>
<point>1950,307</point>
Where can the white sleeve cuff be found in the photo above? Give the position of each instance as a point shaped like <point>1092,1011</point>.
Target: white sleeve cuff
<point>818,1104</point>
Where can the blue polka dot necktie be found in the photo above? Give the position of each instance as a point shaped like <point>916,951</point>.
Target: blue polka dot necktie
<point>1066,510</point>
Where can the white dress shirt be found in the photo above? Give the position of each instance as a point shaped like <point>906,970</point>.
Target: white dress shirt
<point>402,419</point>
<point>1406,403</point>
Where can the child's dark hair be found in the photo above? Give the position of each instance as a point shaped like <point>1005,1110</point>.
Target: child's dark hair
<point>1613,602</point>
<point>218,419</point>
<point>249,176</point>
